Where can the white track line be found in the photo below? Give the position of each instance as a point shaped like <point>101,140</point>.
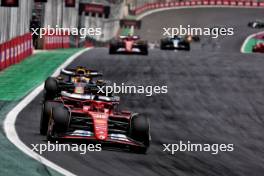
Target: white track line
<point>9,122</point>
<point>242,49</point>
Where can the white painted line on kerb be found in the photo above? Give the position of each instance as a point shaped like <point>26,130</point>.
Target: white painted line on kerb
<point>242,49</point>
<point>9,122</point>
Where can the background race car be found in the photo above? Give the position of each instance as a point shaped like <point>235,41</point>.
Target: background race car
<point>69,79</point>
<point>256,24</point>
<point>258,48</point>
<point>129,45</point>
<point>175,42</point>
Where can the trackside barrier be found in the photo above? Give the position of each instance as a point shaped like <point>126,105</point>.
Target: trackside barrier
<point>235,3</point>
<point>55,41</point>
<point>15,50</point>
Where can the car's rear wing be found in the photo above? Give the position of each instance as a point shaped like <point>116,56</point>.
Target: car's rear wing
<point>90,73</point>
<point>128,23</point>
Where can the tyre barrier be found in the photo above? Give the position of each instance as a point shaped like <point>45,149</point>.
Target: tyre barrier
<point>15,50</point>
<point>56,41</point>
<point>234,3</point>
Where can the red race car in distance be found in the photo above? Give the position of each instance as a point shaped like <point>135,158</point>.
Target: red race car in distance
<point>258,48</point>
<point>129,45</point>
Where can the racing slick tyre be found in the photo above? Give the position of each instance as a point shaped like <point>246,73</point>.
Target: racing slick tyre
<point>140,131</point>
<point>187,46</point>
<point>145,50</point>
<point>162,44</point>
<point>61,117</point>
<point>58,123</point>
<point>112,49</point>
<point>51,88</point>
<point>45,116</point>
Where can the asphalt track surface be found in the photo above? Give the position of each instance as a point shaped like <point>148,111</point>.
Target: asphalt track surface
<point>215,95</point>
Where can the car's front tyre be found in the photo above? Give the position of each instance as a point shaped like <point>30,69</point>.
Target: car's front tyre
<point>46,115</point>
<point>59,122</point>
<point>140,131</point>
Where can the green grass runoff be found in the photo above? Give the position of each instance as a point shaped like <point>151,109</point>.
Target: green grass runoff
<point>18,80</point>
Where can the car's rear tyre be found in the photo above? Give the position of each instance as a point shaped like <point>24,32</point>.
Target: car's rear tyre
<point>145,51</point>
<point>143,48</point>
<point>140,131</point>
<point>112,49</point>
<point>61,117</point>
<point>187,47</point>
<point>162,44</point>
<point>45,116</point>
<point>51,88</point>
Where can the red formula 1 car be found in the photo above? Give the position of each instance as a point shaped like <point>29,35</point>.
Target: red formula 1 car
<point>258,48</point>
<point>95,119</point>
<point>129,45</point>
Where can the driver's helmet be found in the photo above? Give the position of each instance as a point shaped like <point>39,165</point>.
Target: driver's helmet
<point>81,71</point>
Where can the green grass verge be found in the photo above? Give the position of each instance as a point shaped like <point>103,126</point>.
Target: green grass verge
<point>14,161</point>
<point>18,80</point>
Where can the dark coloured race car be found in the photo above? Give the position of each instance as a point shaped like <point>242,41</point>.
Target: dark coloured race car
<point>175,42</point>
<point>94,118</point>
<point>68,79</point>
<point>258,48</point>
<point>129,45</point>
<point>256,24</point>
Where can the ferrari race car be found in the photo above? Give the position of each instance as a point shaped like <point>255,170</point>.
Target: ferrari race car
<point>69,79</point>
<point>129,45</point>
<point>94,118</point>
<point>175,42</point>
<point>256,24</point>
<point>258,48</point>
